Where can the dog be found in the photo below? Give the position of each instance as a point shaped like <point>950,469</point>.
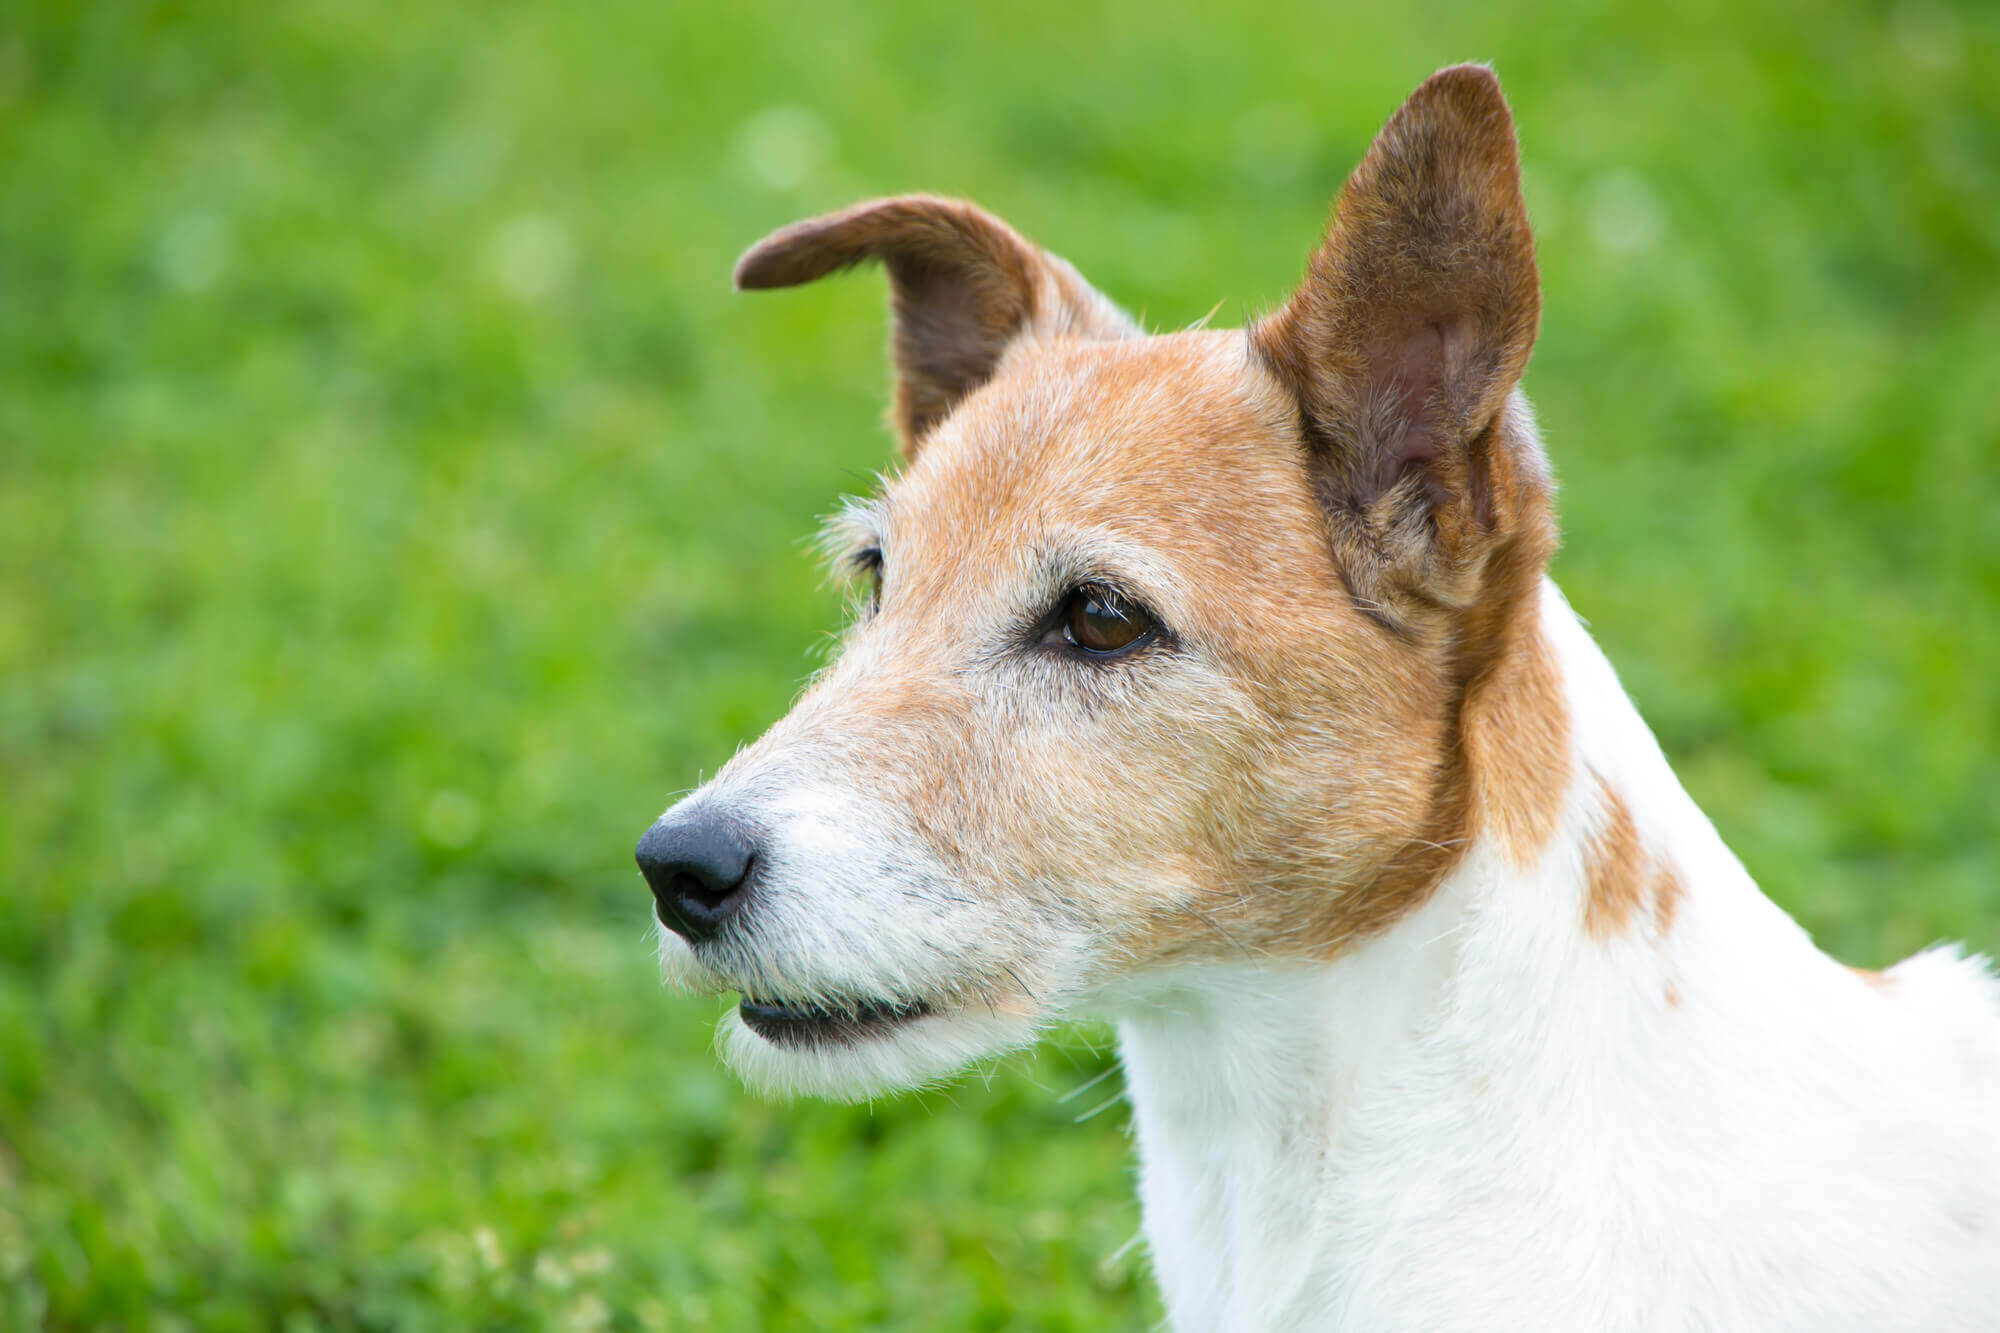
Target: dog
<point>1213,682</point>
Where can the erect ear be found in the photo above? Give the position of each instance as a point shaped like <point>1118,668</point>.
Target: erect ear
<point>1411,328</point>
<point>963,286</point>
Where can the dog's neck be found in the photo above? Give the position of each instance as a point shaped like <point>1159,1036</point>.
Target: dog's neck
<point>1518,1056</point>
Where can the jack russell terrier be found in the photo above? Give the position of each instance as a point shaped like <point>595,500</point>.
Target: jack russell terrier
<point>1213,683</point>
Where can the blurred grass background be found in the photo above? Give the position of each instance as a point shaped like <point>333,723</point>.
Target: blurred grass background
<point>396,509</point>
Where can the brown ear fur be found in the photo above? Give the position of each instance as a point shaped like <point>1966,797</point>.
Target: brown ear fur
<point>1412,326</point>
<point>962,287</point>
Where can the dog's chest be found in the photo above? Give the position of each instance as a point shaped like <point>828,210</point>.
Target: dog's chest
<point>1492,1171</point>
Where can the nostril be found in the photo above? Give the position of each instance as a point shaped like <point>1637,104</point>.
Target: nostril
<point>710,893</point>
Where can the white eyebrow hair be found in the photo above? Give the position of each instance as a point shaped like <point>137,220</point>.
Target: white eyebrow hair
<point>1069,560</point>
<point>1103,556</point>
<point>857,524</point>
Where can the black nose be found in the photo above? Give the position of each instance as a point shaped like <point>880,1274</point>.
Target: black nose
<point>697,867</point>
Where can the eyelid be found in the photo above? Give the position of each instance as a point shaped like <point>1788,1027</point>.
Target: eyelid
<point>1113,594</point>
<point>1114,601</point>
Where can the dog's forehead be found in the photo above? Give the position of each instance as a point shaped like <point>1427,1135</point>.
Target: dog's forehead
<point>1183,439</point>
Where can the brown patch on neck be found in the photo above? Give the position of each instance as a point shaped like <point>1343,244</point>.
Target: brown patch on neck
<point>1615,869</point>
<point>1880,981</point>
<point>1667,892</point>
<point>1622,876</point>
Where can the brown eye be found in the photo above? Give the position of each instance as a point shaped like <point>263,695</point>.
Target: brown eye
<point>1097,621</point>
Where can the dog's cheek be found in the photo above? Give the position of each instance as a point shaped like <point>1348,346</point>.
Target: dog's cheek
<point>1111,815</point>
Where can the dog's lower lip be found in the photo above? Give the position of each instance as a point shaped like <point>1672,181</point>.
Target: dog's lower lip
<point>801,1025</point>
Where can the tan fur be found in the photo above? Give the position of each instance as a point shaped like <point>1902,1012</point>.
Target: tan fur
<point>1624,877</point>
<point>1337,518</point>
<point>1616,870</point>
<point>1667,893</point>
<point>1515,722</point>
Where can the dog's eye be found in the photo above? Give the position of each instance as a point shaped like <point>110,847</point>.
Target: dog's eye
<point>1099,622</point>
<point>869,562</point>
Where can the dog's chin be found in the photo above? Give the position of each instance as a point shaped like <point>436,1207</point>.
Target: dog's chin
<point>852,1058</point>
<point>786,1049</point>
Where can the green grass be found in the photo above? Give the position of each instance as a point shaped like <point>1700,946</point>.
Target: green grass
<point>396,509</point>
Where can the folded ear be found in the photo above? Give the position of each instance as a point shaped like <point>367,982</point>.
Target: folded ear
<point>1411,328</point>
<point>963,286</point>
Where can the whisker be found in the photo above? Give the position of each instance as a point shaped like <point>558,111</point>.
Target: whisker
<point>1086,1086</point>
<point>1101,1107</point>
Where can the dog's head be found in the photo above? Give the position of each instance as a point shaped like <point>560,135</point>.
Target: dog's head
<point>1172,649</point>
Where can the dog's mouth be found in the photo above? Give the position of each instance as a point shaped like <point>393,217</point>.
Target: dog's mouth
<point>812,1025</point>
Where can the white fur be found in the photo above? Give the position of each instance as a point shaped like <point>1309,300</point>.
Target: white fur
<point>1486,1119</point>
